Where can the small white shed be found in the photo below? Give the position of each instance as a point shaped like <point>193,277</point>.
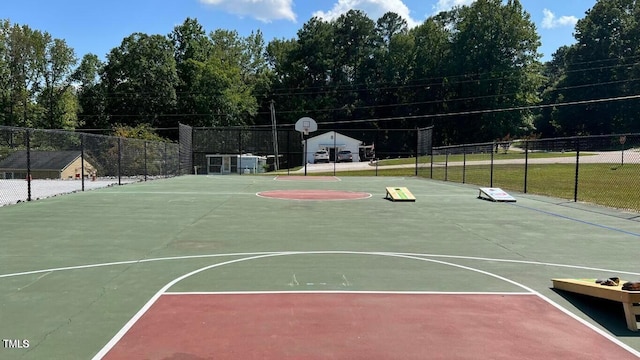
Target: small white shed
<point>333,142</point>
<point>235,164</point>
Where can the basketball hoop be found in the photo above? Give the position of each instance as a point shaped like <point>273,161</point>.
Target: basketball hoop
<point>306,125</point>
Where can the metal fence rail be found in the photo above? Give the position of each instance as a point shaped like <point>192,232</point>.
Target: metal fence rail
<point>37,163</point>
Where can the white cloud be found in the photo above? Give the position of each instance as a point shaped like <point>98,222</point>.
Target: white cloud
<point>444,5</point>
<point>263,10</point>
<point>550,21</point>
<point>373,8</point>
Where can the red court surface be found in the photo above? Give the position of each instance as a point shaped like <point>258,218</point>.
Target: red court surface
<point>360,326</point>
<point>306,178</point>
<point>314,195</point>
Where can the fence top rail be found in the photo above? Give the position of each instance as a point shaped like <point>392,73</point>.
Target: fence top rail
<point>79,132</point>
<point>566,138</point>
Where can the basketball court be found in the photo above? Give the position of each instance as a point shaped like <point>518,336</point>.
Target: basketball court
<point>263,267</point>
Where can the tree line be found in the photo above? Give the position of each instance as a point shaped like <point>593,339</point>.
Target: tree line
<point>473,72</point>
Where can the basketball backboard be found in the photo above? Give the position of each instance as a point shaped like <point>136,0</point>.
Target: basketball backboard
<point>306,125</point>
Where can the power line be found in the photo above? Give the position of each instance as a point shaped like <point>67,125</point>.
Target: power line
<point>486,111</point>
<point>429,116</point>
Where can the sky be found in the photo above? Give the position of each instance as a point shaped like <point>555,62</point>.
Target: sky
<point>90,26</point>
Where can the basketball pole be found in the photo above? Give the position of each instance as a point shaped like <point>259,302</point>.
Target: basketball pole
<point>305,136</point>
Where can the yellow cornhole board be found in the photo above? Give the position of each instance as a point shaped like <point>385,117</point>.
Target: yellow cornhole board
<point>589,287</point>
<point>399,194</point>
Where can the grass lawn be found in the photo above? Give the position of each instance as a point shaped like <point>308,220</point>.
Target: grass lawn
<point>604,184</point>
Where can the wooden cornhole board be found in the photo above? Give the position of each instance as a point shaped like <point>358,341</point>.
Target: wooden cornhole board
<point>589,287</point>
<point>399,194</point>
<point>495,195</point>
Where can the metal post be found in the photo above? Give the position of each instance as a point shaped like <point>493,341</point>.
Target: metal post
<point>119,161</point>
<point>491,170</point>
<point>239,163</point>
<point>164,162</point>
<point>335,153</point>
<point>446,166</point>
<point>82,161</point>
<point>28,145</point>
<point>464,165</point>
<point>274,129</point>
<point>305,154</point>
<point>417,151</point>
<point>145,161</point>
<point>575,188</point>
<point>526,164</point>
<point>431,166</point>
<point>289,152</point>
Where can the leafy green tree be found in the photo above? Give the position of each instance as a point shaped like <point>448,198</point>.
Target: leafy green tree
<point>140,81</point>
<point>218,75</point>
<point>286,74</point>
<point>244,65</point>
<point>494,48</point>
<point>389,69</point>
<point>91,93</point>
<point>432,74</point>
<point>354,40</point>
<point>191,47</point>
<point>141,132</point>
<point>601,65</point>
<point>554,71</point>
<point>20,80</point>
<point>56,96</point>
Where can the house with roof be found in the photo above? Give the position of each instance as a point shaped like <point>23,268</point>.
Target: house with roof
<point>333,142</point>
<point>45,165</point>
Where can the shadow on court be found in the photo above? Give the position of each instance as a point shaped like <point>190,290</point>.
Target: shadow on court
<point>608,314</point>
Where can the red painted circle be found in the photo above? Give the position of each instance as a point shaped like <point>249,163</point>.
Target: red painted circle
<point>314,195</point>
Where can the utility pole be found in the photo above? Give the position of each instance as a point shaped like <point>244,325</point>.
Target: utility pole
<point>274,131</point>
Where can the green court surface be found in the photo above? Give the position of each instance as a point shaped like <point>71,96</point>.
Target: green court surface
<point>75,269</point>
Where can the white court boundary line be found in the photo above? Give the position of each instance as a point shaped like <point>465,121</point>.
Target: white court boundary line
<point>348,292</point>
<point>205,256</point>
<point>118,336</point>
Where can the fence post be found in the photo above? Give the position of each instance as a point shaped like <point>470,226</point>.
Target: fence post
<point>464,164</point>
<point>145,161</point>
<point>491,167</point>
<point>119,161</point>
<point>164,162</point>
<point>575,188</point>
<point>289,152</point>
<point>28,145</point>
<point>82,161</point>
<point>431,166</point>
<point>526,164</point>
<point>417,150</point>
<point>239,163</point>
<point>446,166</point>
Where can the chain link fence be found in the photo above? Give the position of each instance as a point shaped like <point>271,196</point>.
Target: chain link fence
<point>229,150</point>
<point>36,163</point>
<point>601,170</point>
<point>595,169</point>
